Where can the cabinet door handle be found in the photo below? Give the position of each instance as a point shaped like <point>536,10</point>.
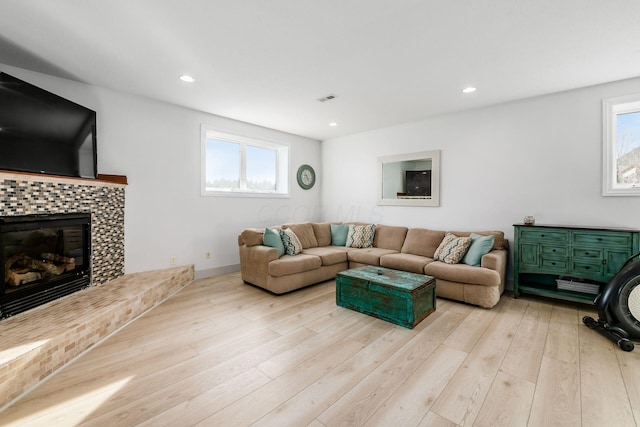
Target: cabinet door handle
<point>604,261</point>
<point>586,267</point>
<point>586,253</point>
<point>553,263</point>
<point>553,250</point>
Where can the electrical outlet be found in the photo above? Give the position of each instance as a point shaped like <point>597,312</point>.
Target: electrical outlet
<point>207,254</point>
<point>173,260</point>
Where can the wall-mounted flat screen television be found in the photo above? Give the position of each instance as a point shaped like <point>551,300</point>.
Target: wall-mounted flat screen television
<point>41,132</point>
<point>418,183</point>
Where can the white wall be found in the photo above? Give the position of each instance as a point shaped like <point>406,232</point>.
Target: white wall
<point>157,146</point>
<point>540,157</point>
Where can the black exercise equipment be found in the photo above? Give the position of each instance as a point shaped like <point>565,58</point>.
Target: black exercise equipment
<point>619,306</point>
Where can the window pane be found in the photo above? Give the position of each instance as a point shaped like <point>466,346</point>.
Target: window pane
<point>222,165</point>
<point>261,168</point>
<point>628,148</point>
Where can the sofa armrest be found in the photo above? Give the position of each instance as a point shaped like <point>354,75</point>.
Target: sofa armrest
<point>493,260</point>
<point>258,254</point>
<point>251,237</point>
<point>254,263</point>
<point>496,260</point>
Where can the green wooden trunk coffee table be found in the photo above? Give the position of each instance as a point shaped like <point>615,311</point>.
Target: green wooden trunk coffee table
<point>395,296</point>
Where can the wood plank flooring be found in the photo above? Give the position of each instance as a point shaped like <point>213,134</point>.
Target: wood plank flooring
<point>222,353</point>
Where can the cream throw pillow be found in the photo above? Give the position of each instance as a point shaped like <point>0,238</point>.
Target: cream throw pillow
<point>452,249</point>
<point>360,236</point>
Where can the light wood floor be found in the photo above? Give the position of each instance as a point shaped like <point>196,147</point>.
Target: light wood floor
<point>224,353</point>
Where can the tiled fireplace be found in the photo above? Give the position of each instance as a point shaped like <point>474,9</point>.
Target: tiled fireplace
<point>44,257</point>
<point>24,197</point>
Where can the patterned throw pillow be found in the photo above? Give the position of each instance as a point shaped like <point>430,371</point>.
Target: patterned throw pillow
<point>292,245</point>
<point>452,249</point>
<point>360,236</point>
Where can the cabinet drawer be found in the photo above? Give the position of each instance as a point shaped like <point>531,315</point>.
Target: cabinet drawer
<point>587,253</point>
<point>586,268</point>
<point>599,239</point>
<point>546,235</point>
<point>550,251</point>
<point>551,264</point>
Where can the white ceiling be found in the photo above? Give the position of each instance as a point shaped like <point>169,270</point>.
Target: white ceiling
<point>267,62</point>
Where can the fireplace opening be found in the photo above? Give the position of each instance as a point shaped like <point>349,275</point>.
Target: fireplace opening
<point>44,257</point>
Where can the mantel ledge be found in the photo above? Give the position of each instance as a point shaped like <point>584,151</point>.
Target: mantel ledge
<point>119,181</point>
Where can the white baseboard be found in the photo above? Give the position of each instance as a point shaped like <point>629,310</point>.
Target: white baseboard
<point>210,272</point>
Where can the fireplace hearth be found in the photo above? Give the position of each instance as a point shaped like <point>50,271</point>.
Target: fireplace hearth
<point>43,257</point>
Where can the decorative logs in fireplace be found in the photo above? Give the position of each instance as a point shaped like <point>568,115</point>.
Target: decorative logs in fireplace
<point>42,257</point>
<point>21,268</point>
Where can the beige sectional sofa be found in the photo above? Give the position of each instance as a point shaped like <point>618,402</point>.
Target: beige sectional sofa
<point>396,247</point>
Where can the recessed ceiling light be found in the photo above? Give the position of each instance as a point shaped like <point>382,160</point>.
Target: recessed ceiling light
<point>187,78</point>
<point>333,124</point>
<point>469,89</point>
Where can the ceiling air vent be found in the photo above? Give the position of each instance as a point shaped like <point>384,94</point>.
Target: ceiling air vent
<point>327,98</point>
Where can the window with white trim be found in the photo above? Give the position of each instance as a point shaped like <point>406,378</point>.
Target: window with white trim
<point>621,146</point>
<point>236,165</point>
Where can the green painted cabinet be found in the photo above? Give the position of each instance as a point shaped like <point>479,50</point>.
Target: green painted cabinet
<point>545,253</point>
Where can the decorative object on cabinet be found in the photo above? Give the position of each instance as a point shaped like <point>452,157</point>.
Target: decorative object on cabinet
<point>582,258</point>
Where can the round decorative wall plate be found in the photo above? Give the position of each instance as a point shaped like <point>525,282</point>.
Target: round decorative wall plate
<point>306,177</point>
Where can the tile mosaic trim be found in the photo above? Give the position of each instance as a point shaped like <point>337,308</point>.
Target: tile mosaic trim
<point>105,203</point>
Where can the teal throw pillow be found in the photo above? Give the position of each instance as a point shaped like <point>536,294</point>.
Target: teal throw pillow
<point>272,239</point>
<point>480,245</point>
<point>339,234</point>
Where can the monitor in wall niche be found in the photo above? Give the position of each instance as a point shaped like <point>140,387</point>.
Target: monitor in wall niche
<point>41,132</point>
<point>418,183</point>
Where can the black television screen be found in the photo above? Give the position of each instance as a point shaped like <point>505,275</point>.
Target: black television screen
<point>418,183</point>
<point>41,132</point>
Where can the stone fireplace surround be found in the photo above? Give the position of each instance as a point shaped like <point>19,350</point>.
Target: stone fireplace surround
<point>36,343</point>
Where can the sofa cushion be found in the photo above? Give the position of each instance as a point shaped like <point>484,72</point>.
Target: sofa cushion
<point>292,245</point>
<point>369,256</point>
<point>452,249</point>
<point>360,236</point>
<point>499,243</point>
<point>405,262</point>
<point>304,232</point>
<point>339,234</point>
<point>389,237</point>
<point>323,233</point>
<point>462,273</point>
<point>288,264</point>
<point>272,239</point>
<point>420,241</point>
<point>480,245</point>
<point>328,255</point>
